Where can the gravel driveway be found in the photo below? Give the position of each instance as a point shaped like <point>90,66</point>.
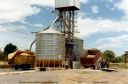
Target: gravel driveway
<point>71,76</point>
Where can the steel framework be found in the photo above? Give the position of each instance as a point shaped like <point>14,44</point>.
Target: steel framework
<point>66,23</point>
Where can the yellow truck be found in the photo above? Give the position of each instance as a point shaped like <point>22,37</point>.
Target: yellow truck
<point>21,59</point>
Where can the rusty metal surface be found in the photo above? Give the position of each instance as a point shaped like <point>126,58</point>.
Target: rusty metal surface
<point>87,61</point>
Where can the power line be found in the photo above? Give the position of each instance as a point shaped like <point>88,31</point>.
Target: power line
<point>19,32</point>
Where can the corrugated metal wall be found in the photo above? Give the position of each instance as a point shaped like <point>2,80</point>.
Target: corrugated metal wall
<point>50,46</point>
<point>79,48</point>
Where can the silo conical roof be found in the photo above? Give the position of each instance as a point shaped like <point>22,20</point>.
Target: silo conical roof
<point>50,30</point>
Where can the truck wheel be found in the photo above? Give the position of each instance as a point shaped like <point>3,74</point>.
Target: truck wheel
<point>28,66</point>
<point>15,67</point>
<point>23,67</point>
<point>86,66</point>
<point>93,67</point>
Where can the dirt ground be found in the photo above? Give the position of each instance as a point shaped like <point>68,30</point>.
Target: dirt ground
<point>70,76</point>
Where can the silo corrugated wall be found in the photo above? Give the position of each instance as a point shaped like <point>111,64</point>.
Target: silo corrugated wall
<point>50,45</point>
<point>79,48</point>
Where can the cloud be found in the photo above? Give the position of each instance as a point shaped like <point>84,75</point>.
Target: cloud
<point>95,9</point>
<point>38,25</point>
<point>20,40</point>
<point>123,5</point>
<point>49,3</point>
<point>84,1</point>
<point>88,26</point>
<point>18,10</point>
<point>110,0</point>
<point>11,27</point>
<point>107,5</point>
<point>82,14</point>
<point>29,24</point>
<point>113,42</point>
<point>16,34</point>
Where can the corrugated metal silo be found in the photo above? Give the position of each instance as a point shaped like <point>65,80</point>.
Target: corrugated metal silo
<point>79,48</point>
<point>50,45</point>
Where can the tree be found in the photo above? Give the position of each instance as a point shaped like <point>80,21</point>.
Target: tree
<point>125,56</point>
<point>10,48</point>
<point>3,56</point>
<point>117,59</point>
<point>108,55</point>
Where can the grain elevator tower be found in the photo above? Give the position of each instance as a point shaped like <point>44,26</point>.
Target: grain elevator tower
<point>66,22</point>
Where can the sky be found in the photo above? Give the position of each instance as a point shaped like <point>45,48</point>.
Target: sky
<point>103,24</point>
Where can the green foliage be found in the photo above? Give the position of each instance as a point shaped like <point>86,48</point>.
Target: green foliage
<point>108,55</point>
<point>126,54</point>
<point>125,57</point>
<point>117,59</point>
<point>3,57</point>
<point>10,48</point>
